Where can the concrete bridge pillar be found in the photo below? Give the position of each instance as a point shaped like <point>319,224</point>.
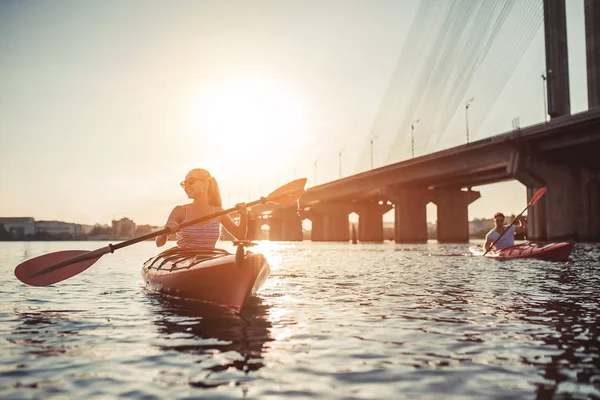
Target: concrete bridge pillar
<point>557,60</point>
<point>254,231</point>
<point>411,214</point>
<point>316,233</point>
<point>251,232</point>
<point>329,222</point>
<point>285,226</point>
<point>592,44</point>
<point>370,221</point>
<point>571,207</point>
<point>453,215</point>
<point>536,216</point>
<point>592,208</point>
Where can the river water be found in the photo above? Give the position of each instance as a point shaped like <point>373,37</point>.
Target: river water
<point>333,321</point>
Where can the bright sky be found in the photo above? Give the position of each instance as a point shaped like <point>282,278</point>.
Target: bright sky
<point>105,105</point>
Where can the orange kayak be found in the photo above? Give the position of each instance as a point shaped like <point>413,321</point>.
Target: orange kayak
<point>211,275</point>
<point>549,252</point>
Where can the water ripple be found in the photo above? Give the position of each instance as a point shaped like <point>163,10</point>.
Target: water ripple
<point>333,321</point>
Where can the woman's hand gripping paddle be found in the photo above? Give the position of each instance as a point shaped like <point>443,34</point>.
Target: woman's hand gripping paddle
<point>538,195</point>
<point>58,266</point>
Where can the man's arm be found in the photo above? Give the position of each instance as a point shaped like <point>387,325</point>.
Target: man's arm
<point>488,244</point>
<point>521,225</point>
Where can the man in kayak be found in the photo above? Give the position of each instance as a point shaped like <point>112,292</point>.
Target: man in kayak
<point>506,235</point>
<point>202,188</point>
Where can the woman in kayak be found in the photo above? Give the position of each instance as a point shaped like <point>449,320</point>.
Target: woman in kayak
<point>506,239</point>
<point>202,188</point>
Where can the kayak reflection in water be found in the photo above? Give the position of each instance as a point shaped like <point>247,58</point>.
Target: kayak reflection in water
<point>505,239</point>
<point>204,191</point>
<point>229,346</point>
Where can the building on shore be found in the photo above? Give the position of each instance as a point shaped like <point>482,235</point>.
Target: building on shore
<point>123,228</point>
<point>17,227</point>
<point>58,229</point>
<point>27,228</point>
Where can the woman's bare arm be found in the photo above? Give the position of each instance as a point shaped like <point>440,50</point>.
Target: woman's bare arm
<point>175,218</point>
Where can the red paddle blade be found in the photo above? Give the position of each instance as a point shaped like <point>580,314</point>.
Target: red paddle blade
<point>288,193</point>
<point>538,195</point>
<point>25,270</point>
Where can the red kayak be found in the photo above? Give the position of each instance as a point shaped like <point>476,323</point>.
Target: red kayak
<point>549,252</point>
<point>212,275</point>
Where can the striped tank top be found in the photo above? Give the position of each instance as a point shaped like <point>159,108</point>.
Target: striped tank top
<point>195,236</point>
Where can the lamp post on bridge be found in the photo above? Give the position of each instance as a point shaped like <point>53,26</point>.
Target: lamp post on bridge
<point>315,171</point>
<point>372,139</point>
<point>544,94</point>
<point>467,104</point>
<point>412,136</point>
<point>340,163</point>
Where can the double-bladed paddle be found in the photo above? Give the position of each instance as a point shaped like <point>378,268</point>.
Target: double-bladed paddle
<point>58,266</point>
<point>538,195</point>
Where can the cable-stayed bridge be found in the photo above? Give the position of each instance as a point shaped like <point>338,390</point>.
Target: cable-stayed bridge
<point>455,51</point>
<point>460,49</point>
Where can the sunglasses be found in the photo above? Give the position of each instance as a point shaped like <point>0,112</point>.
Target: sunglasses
<point>191,181</point>
<point>499,218</point>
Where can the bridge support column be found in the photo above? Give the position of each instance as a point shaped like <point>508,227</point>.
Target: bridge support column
<point>571,207</point>
<point>251,232</point>
<point>557,59</point>
<point>255,228</point>
<point>285,226</point>
<point>370,221</point>
<point>592,44</point>
<point>411,214</point>
<point>536,217</point>
<point>592,207</point>
<point>316,233</point>
<point>330,222</point>
<point>453,215</point>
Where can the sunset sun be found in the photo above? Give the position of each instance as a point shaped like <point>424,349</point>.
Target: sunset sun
<point>254,122</point>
